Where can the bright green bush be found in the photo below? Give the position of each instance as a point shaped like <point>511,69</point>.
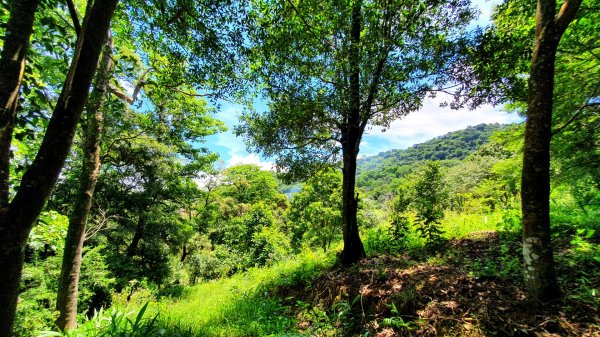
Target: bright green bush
<point>204,265</point>
<point>269,245</point>
<point>381,240</point>
<point>39,282</point>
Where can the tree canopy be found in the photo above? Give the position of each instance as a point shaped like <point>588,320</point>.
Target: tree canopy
<point>112,192</point>
<point>347,66</point>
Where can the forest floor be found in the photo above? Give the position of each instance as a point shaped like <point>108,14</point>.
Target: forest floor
<point>472,288</point>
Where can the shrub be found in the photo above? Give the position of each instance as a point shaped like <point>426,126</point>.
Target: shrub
<point>429,201</point>
<point>204,265</point>
<point>269,246</point>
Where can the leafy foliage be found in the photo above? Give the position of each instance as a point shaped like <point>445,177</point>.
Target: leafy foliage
<point>399,220</point>
<point>306,78</point>
<point>429,203</point>
<point>315,212</point>
<point>164,218</point>
<point>379,174</point>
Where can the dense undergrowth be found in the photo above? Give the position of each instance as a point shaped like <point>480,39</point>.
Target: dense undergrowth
<point>241,305</point>
<point>469,286</point>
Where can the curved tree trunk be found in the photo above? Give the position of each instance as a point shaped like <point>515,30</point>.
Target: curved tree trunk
<point>539,273</point>
<point>137,236</point>
<point>66,302</point>
<point>12,67</point>
<point>16,219</point>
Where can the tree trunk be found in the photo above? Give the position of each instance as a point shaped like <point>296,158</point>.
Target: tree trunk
<point>353,248</point>
<point>66,302</point>
<point>184,253</point>
<point>139,233</point>
<point>12,67</point>
<point>16,220</point>
<point>351,135</point>
<point>539,273</point>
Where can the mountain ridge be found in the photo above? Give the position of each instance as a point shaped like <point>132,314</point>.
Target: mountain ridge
<point>386,166</point>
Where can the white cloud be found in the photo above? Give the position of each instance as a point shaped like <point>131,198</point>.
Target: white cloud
<point>235,152</point>
<point>251,158</point>
<point>229,115</point>
<point>429,122</point>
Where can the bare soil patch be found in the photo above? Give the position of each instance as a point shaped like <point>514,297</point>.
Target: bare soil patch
<point>440,296</point>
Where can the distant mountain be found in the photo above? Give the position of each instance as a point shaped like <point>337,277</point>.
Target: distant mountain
<point>386,166</point>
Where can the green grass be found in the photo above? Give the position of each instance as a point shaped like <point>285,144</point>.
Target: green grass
<point>243,305</point>
<point>459,225</point>
<point>377,240</point>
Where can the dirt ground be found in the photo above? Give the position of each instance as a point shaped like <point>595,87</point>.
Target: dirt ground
<point>440,296</point>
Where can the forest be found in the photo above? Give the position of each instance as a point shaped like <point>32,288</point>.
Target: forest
<point>118,217</point>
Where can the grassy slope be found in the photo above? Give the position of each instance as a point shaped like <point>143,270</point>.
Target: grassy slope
<point>243,305</point>
<point>473,288</point>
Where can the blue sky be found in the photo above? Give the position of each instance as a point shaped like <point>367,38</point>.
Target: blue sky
<point>429,122</point>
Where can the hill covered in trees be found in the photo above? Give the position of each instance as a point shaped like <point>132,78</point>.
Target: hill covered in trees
<point>379,171</point>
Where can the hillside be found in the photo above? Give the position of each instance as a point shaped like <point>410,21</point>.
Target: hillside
<point>383,168</point>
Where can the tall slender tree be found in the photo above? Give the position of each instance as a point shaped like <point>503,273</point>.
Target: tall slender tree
<point>544,57</point>
<point>18,216</point>
<point>332,69</point>
<point>66,303</point>
<point>539,271</point>
<point>163,80</point>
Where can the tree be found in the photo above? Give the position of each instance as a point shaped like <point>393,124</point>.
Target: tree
<point>17,218</point>
<point>179,119</point>
<point>66,303</point>
<point>550,72</point>
<point>333,69</point>
<point>429,201</point>
<point>141,188</point>
<point>315,213</point>
<point>12,68</point>
<point>399,221</point>
<point>248,184</point>
<point>540,277</point>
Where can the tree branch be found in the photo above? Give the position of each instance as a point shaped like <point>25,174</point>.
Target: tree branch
<point>176,16</point>
<point>573,118</point>
<point>310,28</point>
<point>120,94</point>
<point>191,93</point>
<point>567,13</point>
<point>373,91</point>
<point>311,141</point>
<point>115,141</point>
<point>74,16</point>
